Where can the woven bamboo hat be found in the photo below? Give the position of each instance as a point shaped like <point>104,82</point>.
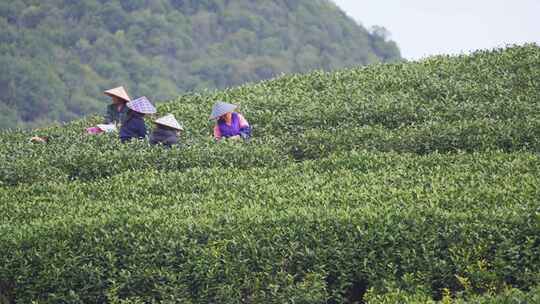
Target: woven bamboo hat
<point>119,92</point>
<point>220,108</point>
<point>142,105</point>
<point>169,121</point>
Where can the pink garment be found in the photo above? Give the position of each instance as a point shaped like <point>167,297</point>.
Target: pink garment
<point>94,130</point>
<point>243,123</point>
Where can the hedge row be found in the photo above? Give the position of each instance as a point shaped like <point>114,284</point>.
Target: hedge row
<point>488,101</point>
<point>314,232</point>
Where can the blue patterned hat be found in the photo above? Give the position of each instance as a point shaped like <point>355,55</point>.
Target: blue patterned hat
<point>220,108</point>
<point>142,105</point>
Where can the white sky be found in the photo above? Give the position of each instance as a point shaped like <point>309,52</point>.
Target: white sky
<point>428,27</point>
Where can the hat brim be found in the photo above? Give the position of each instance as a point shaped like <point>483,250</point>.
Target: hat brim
<point>223,111</point>
<point>143,112</point>
<point>161,124</point>
<point>119,92</point>
<point>135,106</point>
<point>114,95</point>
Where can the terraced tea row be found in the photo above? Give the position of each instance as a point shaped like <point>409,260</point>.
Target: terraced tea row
<point>315,231</point>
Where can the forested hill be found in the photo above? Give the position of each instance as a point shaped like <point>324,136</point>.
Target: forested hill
<point>57,56</point>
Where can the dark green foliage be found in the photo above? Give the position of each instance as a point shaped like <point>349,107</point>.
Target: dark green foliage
<point>397,183</point>
<point>488,101</point>
<point>58,56</point>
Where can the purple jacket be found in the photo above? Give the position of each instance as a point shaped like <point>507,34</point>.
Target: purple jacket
<point>239,126</point>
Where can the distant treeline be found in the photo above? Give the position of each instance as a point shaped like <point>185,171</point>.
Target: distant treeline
<point>57,56</point>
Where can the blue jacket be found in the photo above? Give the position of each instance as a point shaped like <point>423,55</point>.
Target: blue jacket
<point>133,127</point>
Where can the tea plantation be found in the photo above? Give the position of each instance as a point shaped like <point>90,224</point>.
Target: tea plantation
<point>396,183</point>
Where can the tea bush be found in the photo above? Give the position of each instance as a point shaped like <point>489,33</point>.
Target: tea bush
<point>410,182</point>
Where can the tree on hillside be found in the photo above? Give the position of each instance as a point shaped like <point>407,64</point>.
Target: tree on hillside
<point>59,55</point>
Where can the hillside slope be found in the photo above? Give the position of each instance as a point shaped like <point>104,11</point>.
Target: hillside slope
<point>58,56</point>
<point>404,183</point>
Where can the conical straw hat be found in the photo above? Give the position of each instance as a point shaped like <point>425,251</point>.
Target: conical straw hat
<point>141,105</point>
<point>119,92</point>
<point>169,121</point>
<point>220,108</point>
